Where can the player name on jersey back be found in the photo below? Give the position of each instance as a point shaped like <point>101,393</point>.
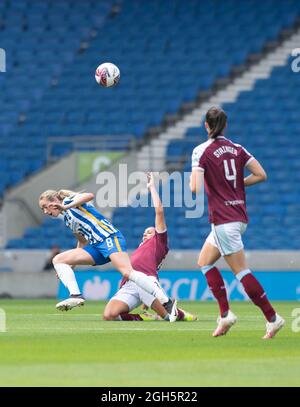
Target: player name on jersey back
<point>225,149</point>
<point>223,163</point>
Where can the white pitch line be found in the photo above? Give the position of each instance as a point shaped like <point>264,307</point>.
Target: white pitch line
<point>196,329</point>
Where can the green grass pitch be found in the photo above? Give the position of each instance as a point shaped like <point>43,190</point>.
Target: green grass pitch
<point>44,347</point>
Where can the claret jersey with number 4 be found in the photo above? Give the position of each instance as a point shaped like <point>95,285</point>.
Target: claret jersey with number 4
<point>223,163</point>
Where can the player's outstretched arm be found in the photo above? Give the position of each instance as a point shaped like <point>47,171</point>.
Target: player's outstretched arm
<point>257,175</point>
<point>78,200</point>
<point>160,223</point>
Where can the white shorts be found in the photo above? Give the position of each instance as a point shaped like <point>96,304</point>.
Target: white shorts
<point>133,295</point>
<point>227,237</point>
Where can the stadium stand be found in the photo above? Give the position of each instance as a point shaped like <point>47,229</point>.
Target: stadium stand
<point>212,37</point>
<point>38,49</point>
<point>264,120</point>
<point>253,122</point>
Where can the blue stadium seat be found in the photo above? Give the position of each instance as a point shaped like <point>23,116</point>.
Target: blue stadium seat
<point>59,96</point>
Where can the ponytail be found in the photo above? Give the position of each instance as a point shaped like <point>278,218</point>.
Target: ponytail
<point>216,119</point>
<point>51,194</point>
<point>65,193</point>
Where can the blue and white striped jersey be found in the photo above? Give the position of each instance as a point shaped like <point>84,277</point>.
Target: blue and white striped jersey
<point>86,221</point>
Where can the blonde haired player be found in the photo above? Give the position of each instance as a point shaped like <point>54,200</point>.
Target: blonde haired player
<point>147,258</point>
<point>220,164</point>
<point>99,242</point>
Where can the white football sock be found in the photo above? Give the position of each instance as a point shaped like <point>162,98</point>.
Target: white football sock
<point>143,281</point>
<point>67,277</point>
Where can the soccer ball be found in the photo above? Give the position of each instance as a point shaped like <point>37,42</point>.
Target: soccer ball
<point>107,74</point>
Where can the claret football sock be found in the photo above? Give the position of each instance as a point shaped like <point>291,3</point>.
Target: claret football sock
<point>217,286</point>
<point>257,294</point>
<point>131,317</point>
<point>180,315</point>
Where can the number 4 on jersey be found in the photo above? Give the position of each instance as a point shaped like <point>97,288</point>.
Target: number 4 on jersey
<point>232,176</point>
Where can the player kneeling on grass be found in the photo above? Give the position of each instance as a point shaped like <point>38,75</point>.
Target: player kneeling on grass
<point>147,258</point>
<point>99,242</point>
<point>220,163</point>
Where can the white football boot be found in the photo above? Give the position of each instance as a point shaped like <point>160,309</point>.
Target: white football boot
<point>224,324</point>
<point>273,327</point>
<point>173,313</point>
<point>171,308</point>
<point>71,302</point>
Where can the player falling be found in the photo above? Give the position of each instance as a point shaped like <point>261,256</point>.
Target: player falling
<point>220,164</point>
<point>99,242</point>
<point>147,258</point>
